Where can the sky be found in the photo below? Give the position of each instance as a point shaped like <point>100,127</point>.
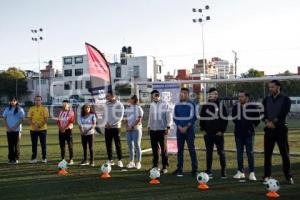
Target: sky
<point>265,34</point>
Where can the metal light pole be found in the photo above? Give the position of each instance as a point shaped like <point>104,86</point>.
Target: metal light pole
<point>38,38</point>
<point>235,62</point>
<point>203,18</point>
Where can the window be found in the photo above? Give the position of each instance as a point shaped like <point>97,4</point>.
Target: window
<point>293,102</point>
<point>118,72</point>
<point>78,59</point>
<point>159,69</point>
<point>68,85</point>
<point>78,72</point>
<point>136,71</point>
<point>123,61</point>
<point>68,72</point>
<point>78,85</point>
<point>43,81</point>
<point>88,84</point>
<point>67,61</point>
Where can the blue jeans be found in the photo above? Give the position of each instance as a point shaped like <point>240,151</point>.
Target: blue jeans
<point>134,138</point>
<point>247,142</point>
<point>190,140</point>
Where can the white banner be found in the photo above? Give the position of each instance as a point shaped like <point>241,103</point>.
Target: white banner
<point>170,94</point>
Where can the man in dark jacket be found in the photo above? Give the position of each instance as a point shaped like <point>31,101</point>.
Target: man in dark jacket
<point>213,121</point>
<point>276,108</point>
<point>246,116</point>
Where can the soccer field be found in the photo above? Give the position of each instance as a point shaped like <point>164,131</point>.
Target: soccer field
<point>41,181</point>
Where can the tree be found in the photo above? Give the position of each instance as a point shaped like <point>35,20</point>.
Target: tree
<point>11,80</point>
<point>255,89</point>
<point>290,87</point>
<point>251,73</point>
<point>286,73</point>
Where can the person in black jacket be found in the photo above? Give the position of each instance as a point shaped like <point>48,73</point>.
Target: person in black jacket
<point>213,121</point>
<point>245,116</point>
<point>276,108</point>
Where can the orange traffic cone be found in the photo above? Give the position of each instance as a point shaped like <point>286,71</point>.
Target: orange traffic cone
<point>62,172</point>
<point>105,175</point>
<point>272,194</point>
<point>154,182</point>
<point>203,186</point>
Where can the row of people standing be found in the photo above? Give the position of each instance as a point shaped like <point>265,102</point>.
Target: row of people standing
<point>38,115</point>
<point>246,116</point>
<point>276,107</point>
<point>213,122</point>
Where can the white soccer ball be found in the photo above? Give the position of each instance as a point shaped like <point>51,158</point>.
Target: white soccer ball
<point>273,185</point>
<point>63,164</point>
<point>106,168</point>
<point>202,177</point>
<point>154,173</point>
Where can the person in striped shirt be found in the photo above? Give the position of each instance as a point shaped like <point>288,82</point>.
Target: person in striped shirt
<point>65,125</point>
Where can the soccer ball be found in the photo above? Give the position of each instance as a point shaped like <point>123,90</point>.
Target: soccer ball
<point>273,185</point>
<point>63,164</point>
<point>106,168</point>
<point>202,177</point>
<point>154,173</point>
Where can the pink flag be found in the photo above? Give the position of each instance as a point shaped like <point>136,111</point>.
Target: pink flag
<point>98,66</point>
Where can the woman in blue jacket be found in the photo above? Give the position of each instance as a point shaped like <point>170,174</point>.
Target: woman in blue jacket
<point>13,116</point>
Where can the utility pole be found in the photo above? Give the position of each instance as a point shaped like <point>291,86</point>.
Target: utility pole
<point>235,63</point>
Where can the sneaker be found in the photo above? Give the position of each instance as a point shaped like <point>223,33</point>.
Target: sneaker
<point>178,173</point>
<point>164,171</point>
<point>239,175</point>
<point>111,162</point>
<point>92,164</point>
<point>84,162</point>
<point>10,162</point>
<point>290,181</point>
<point>223,174</point>
<point>71,162</point>
<point>265,180</point>
<point>32,161</point>
<point>120,164</point>
<point>252,176</point>
<point>138,165</point>
<point>16,161</point>
<point>130,165</point>
<point>44,160</point>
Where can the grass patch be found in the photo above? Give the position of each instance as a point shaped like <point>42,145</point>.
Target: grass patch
<point>40,181</point>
